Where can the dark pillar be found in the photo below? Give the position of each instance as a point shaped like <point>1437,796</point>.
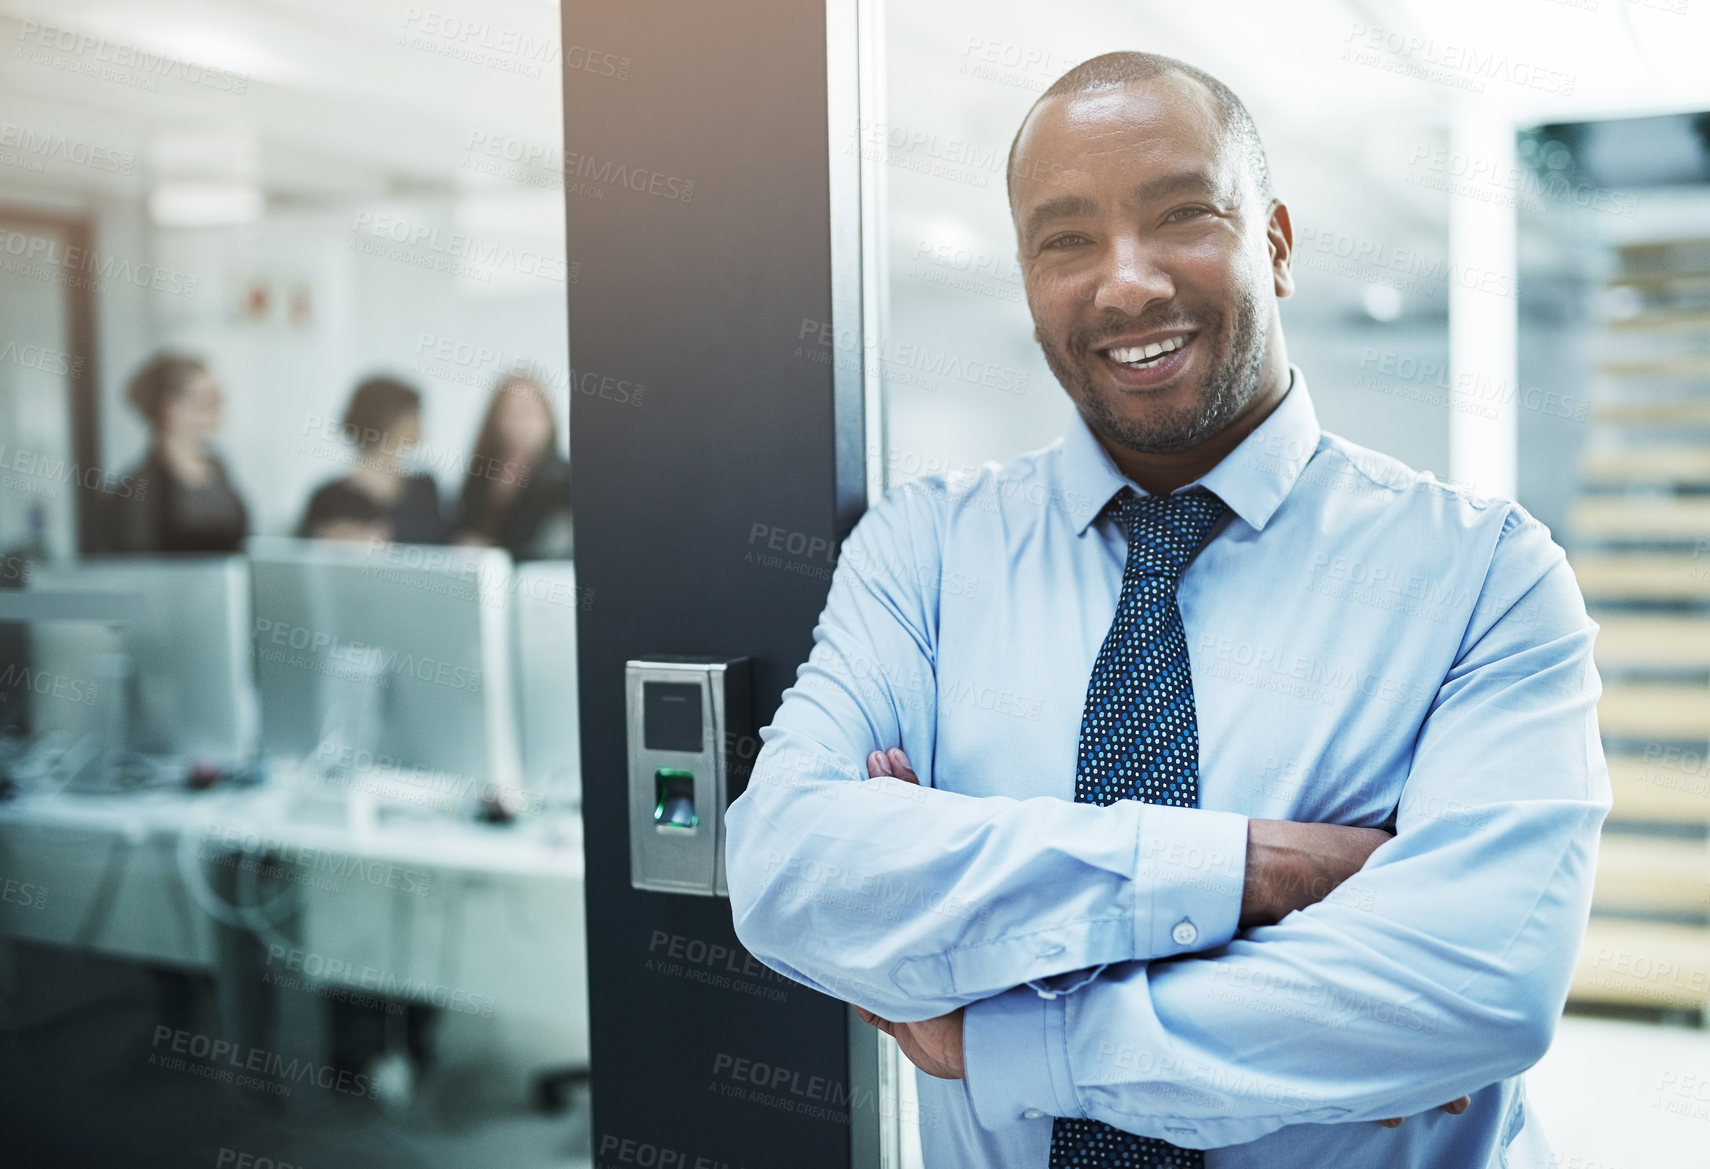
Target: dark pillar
<point>716,444</point>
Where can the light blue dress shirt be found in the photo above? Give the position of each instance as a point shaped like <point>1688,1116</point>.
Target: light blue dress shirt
<point>1366,642</point>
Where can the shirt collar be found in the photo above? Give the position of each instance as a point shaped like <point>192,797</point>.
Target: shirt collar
<point>1253,479</point>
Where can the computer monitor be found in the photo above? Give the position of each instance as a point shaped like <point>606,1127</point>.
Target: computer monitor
<point>379,659</point>
<point>546,609</point>
<point>180,651</point>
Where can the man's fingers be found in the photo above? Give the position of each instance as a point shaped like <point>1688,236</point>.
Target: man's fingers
<point>872,1020</point>
<point>900,768</point>
<point>892,764</point>
<point>1453,1108</point>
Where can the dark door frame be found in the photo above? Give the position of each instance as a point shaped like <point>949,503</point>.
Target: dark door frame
<point>713,190</point>
<point>78,232</point>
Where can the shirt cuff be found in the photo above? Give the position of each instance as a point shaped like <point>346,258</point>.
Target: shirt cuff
<point>1015,1058</point>
<point>1193,864</point>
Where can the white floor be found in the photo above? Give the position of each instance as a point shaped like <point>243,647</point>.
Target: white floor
<point>1617,1095</point>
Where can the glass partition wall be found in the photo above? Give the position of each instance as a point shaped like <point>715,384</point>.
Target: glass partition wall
<point>1498,281</point>
<point>288,794</point>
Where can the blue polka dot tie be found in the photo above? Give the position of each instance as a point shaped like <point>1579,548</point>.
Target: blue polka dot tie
<point>1140,741</point>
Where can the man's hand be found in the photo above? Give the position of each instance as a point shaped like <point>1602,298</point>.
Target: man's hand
<point>892,763</point>
<point>1292,865</point>
<point>932,1045</point>
<point>1453,1108</point>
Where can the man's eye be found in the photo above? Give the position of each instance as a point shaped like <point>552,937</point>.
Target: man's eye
<point>1181,213</point>
<point>1060,241</point>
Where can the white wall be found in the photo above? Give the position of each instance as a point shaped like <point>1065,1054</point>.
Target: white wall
<point>286,382</point>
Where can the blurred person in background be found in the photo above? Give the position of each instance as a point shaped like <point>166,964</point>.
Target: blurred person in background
<point>517,493</point>
<point>381,498</point>
<point>182,500</point>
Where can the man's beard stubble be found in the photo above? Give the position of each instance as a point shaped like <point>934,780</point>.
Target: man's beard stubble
<point>1234,380</point>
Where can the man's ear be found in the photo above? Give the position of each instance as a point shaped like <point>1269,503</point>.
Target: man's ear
<point>1279,238</point>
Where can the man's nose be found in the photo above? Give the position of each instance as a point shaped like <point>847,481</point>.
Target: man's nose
<point>1131,279</point>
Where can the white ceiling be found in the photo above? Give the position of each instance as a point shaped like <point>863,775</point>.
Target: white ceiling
<point>343,102</point>
<point>341,99</point>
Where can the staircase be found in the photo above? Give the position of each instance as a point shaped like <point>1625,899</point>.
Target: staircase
<point>1640,540</point>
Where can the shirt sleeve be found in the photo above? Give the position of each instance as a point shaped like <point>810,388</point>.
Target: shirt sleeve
<point>913,901</point>
<point>1439,968</point>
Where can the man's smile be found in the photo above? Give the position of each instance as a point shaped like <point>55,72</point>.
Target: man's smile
<point>1144,363</point>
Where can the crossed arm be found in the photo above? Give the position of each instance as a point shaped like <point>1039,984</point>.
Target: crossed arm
<point>1043,922</point>
<point>1289,866</point>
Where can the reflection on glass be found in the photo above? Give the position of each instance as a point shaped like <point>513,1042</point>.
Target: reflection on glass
<point>245,294</point>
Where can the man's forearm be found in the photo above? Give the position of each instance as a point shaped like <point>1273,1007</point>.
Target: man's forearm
<point>1292,865</point>
<point>920,901</point>
<point>934,899</point>
<point>1335,1015</point>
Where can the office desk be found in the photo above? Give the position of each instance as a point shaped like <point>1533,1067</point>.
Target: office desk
<point>486,922</point>
<point>104,875</point>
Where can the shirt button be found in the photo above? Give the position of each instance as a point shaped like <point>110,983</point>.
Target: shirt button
<point>1032,1114</point>
<point>1185,933</point>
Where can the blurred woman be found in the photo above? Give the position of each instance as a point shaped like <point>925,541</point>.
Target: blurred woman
<point>517,493</point>
<point>380,498</point>
<point>181,499</point>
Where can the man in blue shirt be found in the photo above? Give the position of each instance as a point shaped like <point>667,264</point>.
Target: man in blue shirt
<point>1166,682</point>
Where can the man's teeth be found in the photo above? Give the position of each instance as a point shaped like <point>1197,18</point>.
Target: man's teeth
<point>1144,355</point>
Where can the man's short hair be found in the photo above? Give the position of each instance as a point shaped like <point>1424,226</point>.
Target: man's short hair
<point>1111,70</point>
